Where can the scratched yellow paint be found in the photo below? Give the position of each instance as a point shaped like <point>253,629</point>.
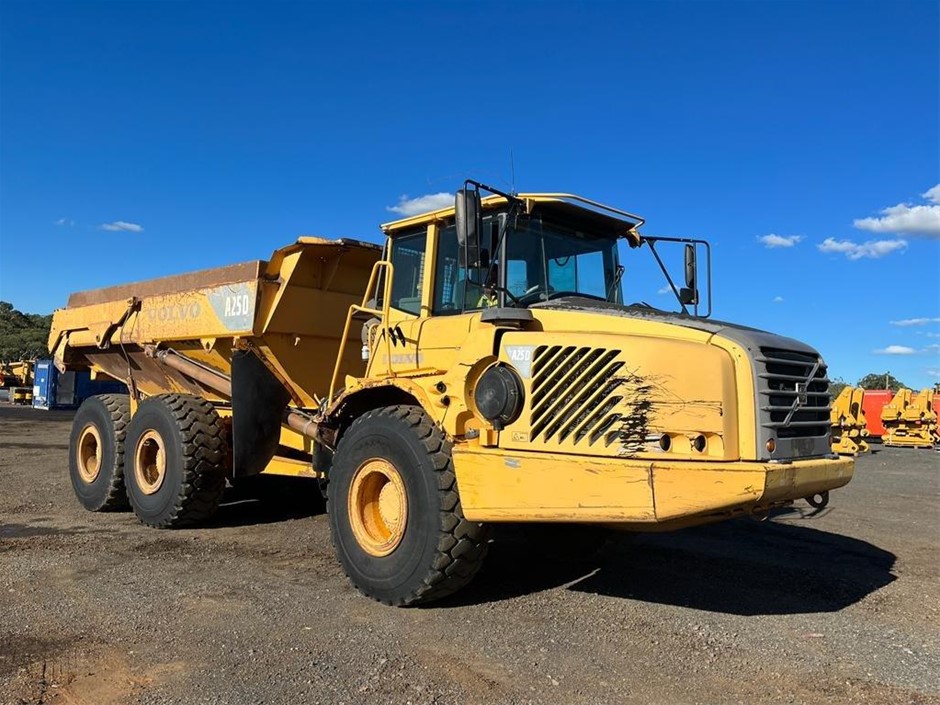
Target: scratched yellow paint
<point>541,486</point>
<point>498,486</point>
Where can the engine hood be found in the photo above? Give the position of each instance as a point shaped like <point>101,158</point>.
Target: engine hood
<point>751,338</point>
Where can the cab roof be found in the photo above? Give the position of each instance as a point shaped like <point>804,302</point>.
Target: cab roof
<point>567,205</point>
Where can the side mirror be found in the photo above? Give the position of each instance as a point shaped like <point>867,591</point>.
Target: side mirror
<point>468,213</point>
<point>689,293</point>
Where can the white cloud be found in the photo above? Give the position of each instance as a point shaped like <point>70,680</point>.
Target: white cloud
<point>778,299</point>
<point>895,350</point>
<point>773,240</point>
<point>907,218</point>
<point>934,373</point>
<point>122,226</point>
<point>933,347</point>
<point>65,221</point>
<point>932,335</point>
<point>906,322</point>
<point>422,204</point>
<point>664,290</point>
<point>904,219</point>
<point>872,249</point>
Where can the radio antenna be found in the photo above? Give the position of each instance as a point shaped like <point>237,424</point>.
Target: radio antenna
<point>512,170</point>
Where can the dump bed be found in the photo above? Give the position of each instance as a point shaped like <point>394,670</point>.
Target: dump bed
<point>290,310</point>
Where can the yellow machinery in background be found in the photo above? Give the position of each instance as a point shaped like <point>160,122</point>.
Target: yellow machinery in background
<point>18,374</point>
<point>910,420</point>
<point>18,377</point>
<point>482,367</point>
<point>849,425</point>
<point>22,396</point>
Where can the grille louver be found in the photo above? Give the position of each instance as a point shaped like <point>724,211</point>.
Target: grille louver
<point>794,393</point>
<point>574,394</point>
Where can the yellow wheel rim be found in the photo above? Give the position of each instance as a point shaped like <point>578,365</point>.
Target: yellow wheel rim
<point>149,462</point>
<point>378,507</point>
<point>88,453</point>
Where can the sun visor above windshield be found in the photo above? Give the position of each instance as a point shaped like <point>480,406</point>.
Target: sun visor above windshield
<point>576,216</point>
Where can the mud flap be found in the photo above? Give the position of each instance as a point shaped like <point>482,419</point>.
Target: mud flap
<point>258,403</point>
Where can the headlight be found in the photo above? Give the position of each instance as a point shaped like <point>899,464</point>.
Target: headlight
<point>498,395</point>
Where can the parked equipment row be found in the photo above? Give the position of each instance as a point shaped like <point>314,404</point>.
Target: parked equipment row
<point>902,419</point>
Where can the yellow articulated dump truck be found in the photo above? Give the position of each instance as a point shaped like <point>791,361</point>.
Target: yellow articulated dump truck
<point>482,367</point>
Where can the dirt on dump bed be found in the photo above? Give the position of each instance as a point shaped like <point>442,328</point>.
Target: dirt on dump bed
<point>832,606</point>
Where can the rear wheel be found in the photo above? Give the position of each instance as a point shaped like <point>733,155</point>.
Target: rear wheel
<point>96,452</point>
<point>395,516</point>
<point>175,461</point>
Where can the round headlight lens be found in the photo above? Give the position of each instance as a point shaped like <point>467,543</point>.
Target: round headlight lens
<point>498,395</point>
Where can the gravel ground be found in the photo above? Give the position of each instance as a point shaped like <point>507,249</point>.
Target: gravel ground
<point>832,606</point>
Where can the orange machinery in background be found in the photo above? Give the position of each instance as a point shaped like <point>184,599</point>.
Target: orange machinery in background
<point>872,404</point>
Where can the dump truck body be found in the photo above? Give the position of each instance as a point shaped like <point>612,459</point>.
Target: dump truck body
<point>457,380</point>
<point>288,311</point>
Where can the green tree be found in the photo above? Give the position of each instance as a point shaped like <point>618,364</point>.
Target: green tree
<point>22,335</point>
<point>881,380</point>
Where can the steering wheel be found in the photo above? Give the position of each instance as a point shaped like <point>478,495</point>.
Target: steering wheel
<point>535,293</point>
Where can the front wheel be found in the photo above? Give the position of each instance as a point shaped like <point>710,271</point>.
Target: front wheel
<point>395,516</point>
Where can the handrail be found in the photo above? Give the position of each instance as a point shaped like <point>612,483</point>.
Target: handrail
<point>382,314</point>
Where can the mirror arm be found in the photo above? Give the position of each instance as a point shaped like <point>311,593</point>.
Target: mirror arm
<point>665,271</point>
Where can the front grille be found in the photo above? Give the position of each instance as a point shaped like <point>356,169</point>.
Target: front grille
<point>793,392</point>
<point>575,394</point>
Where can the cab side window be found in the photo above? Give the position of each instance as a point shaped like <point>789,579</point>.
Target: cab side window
<point>408,262</point>
<point>457,289</point>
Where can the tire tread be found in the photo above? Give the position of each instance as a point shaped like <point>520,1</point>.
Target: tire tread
<point>462,545</point>
<point>204,445</point>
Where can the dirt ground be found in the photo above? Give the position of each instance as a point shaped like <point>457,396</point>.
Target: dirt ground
<point>832,606</point>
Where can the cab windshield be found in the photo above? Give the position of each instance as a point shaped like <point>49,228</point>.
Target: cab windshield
<point>545,261</point>
<point>534,261</point>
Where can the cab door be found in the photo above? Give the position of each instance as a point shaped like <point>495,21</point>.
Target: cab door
<point>433,304</point>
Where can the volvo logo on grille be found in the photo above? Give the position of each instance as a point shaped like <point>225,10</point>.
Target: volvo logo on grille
<point>801,397</point>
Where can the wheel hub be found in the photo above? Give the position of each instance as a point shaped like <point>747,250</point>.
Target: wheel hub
<point>89,453</point>
<point>149,462</point>
<point>378,507</point>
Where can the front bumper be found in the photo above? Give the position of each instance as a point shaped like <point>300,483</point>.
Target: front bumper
<point>498,486</point>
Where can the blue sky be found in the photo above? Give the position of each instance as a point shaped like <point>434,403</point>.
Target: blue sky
<point>140,139</point>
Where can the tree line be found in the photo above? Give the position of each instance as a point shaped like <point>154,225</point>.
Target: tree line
<point>874,380</point>
<point>23,336</point>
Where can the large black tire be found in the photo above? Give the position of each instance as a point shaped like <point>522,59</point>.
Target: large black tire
<point>194,448</point>
<point>96,452</point>
<point>439,551</point>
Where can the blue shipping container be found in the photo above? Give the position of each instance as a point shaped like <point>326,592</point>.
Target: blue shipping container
<point>67,390</point>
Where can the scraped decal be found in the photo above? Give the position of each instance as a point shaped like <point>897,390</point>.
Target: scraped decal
<point>234,304</point>
<point>633,432</point>
<point>174,312</point>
